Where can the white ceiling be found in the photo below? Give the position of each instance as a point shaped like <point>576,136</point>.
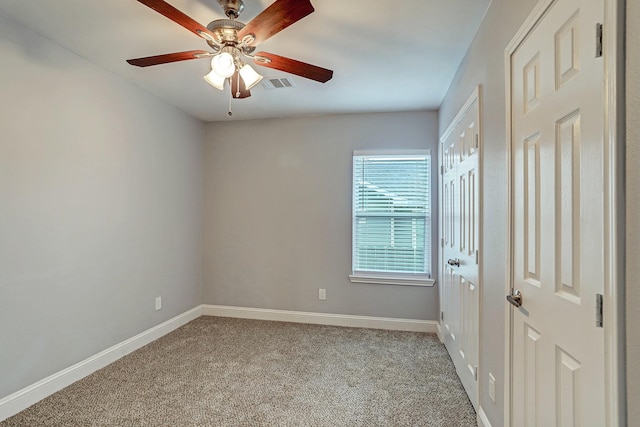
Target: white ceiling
<point>386,55</point>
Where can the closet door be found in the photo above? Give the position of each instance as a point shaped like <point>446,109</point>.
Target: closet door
<point>559,224</point>
<point>460,290</point>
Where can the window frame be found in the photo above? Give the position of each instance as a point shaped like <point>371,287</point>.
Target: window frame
<point>393,278</point>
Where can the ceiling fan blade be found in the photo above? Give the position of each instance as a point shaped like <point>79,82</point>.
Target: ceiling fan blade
<point>178,17</point>
<point>275,18</point>
<point>292,66</point>
<point>169,57</point>
<point>243,92</point>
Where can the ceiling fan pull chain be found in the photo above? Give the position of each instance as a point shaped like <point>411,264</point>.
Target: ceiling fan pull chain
<point>230,113</point>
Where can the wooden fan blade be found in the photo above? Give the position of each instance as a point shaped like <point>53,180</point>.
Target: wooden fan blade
<point>275,18</point>
<point>292,66</point>
<point>178,17</point>
<point>243,92</point>
<point>169,57</point>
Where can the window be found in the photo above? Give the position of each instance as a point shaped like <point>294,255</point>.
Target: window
<point>391,218</point>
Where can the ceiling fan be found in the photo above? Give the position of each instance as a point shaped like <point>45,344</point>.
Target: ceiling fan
<point>232,41</point>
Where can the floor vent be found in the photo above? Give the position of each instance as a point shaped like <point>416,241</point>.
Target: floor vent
<point>277,83</point>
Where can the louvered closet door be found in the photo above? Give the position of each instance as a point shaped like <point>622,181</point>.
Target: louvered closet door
<point>558,220</point>
<point>460,241</point>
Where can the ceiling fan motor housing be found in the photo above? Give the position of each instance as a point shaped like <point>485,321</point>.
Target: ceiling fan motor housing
<point>232,8</point>
<point>225,30</point>
<point>226,33</point>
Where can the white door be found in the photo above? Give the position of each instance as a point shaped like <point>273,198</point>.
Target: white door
<point>460,294</point>
<point>558,220</point>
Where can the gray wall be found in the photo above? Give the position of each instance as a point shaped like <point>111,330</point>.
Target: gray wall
<point>101,209</point>
<point>633,212</point>
<point>484,65</point>
<point>278,213</point>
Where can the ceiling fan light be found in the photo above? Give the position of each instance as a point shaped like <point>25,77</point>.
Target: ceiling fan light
<point>249,76</point>
<point>215,80</point>
<point>223,64</point>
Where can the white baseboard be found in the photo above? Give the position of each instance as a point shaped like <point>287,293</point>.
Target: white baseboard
<point>483,421</point>
<point>26,397</point>
<point>321,318</point>
<point>439,332</point>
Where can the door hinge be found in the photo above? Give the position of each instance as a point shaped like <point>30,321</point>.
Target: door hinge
<point>477,257</point>
<point>442,315</point>
<point>475,372</point>
<point>598,40</point>
<point>477,140</point>
<point>599,311</point>
<point>441,170</point>
<point>442,243</point>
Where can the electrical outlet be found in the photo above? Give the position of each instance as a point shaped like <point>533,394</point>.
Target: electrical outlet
<point>158,303</point>
<point>492,388</point>
<point>322,294</point>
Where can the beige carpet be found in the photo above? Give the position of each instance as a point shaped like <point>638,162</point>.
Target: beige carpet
<point>230,372</point>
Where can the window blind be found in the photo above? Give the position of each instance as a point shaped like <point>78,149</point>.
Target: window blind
<point>391,214</point>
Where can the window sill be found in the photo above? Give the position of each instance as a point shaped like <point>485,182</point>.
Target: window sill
<point>391,280</point>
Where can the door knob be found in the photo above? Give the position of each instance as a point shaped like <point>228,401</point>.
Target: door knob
<point>454,262</point>
<point>515,299</point>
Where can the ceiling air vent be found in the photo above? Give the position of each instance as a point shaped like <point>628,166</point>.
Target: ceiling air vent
<point>277,83</point>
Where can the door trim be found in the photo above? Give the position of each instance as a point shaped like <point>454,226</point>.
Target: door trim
<point>474,97</point>
<point>613,139</point>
